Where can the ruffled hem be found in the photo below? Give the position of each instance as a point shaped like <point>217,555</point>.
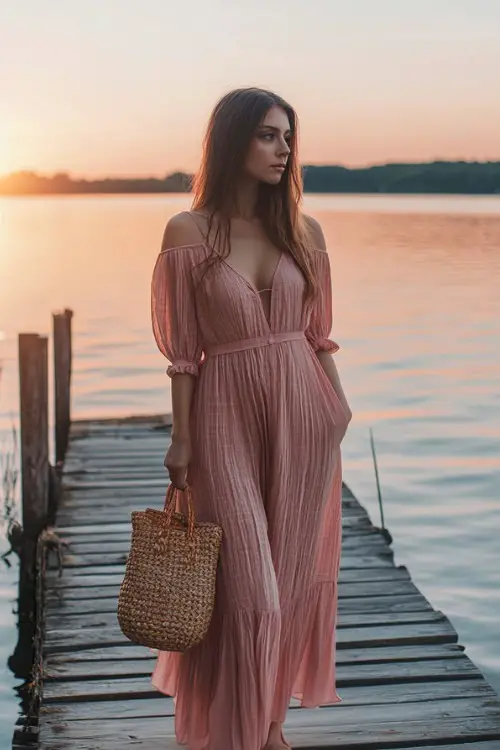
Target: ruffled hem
<point>182,367</point>
<point>314,681</point>
<point>323,344</point>
<point>307,666</point>
<point>239,664</point>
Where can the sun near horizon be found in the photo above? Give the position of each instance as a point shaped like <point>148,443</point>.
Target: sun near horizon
<point>95,90</point>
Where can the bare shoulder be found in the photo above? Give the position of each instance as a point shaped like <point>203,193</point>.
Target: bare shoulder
<point>315,232</point>
<point>182,230</point>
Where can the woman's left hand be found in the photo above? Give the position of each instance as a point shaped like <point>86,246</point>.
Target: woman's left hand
<point>347,410</point>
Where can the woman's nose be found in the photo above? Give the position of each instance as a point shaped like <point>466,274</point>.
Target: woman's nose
<point>284,148</point>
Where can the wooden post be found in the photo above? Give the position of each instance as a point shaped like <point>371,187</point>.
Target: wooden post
<point>62,381</point>
<point>33,389</point>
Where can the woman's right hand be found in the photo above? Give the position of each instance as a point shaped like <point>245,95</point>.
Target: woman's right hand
<point>177,461</point>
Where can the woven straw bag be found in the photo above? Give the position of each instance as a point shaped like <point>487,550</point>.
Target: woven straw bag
<point>167,596</point>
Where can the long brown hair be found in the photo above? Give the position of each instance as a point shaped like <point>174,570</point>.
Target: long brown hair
<point>231,127</point>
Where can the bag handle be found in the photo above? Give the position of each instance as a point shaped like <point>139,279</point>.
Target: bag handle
<point>169,508</point>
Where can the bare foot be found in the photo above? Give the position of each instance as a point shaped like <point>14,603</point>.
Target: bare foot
<point>280,744</point>
<point>276,739</point>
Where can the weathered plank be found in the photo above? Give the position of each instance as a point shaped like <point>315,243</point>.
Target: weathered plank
<point>357,695</point>
<point>121,514</point>
<point>91,630</point>
<point>398,603</point>
<point>404,669</point>
<point>376,713</point>
<point>100,530</point>
<point>108,630</point>
<point>329,727</point>
<point>113,679</point>
<point>66,597</point>
<point>146,487</point>
<point>378,558</point>
<point>366,542</point>
<point>130,486</point>
<point>125,501</point>
<point>94,542</point>
<point>99,576</point>
<point>344,656</point>
<point>93,553</point>
<point>375,564</point>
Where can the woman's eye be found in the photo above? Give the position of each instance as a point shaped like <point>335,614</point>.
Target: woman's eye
<point>271,136</point>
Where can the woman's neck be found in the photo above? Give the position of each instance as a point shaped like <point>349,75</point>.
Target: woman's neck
<point>246,199</point>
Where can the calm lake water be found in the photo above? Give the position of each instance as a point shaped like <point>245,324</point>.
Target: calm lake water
<point>417,315</point>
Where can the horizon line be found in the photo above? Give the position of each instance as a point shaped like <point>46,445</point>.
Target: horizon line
<point>179,171</point>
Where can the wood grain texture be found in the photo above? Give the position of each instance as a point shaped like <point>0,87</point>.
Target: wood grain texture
<point>350,673</point>
<point>323,728</point>
<point>357,695</point>
<point>110,576</point>
<point>403,678</point>
<point>345,656</point>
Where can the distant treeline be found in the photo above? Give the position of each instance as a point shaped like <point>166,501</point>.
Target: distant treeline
<point>32,183</point>
<point>435,177</point>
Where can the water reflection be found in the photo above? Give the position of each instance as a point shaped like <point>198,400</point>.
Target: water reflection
<point>417,314</point>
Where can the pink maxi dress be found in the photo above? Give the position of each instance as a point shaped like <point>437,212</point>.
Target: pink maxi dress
<point>266,429</point>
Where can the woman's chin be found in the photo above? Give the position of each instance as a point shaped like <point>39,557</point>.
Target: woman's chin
<point>272,179</point>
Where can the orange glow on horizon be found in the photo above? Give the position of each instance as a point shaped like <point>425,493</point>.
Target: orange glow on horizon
<point>411,84</point>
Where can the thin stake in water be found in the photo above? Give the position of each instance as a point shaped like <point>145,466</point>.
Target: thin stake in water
<point>387,534</point>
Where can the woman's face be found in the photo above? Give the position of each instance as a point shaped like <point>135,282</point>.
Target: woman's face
<point>270,147</point>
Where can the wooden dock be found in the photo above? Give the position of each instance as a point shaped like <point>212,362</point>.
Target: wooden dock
<point>404,680</point>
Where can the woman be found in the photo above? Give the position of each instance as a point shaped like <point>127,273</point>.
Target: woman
<point>241,307</point>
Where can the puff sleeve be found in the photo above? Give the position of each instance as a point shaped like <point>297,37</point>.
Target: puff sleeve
<point>173,311</point>
<point>321,320</point>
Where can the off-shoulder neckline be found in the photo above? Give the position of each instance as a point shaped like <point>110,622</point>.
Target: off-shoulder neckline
<point>191,245</point>
<point>204,245</point>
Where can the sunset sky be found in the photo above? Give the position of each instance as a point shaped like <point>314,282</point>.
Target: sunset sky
<point>124,87</point>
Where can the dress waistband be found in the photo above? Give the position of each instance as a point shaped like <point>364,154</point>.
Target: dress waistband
<point>255,343</point>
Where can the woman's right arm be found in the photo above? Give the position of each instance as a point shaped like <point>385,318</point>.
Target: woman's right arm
<point>175,329</point>
<point>179,454</point>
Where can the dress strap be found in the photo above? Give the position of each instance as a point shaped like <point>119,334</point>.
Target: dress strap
<point>197,223</point>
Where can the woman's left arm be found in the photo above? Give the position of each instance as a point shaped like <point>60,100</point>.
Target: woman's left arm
<point>321,321</point>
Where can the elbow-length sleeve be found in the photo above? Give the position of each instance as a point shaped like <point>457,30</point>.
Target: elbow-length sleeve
<point>321,320</point>
<point>173,311</point>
